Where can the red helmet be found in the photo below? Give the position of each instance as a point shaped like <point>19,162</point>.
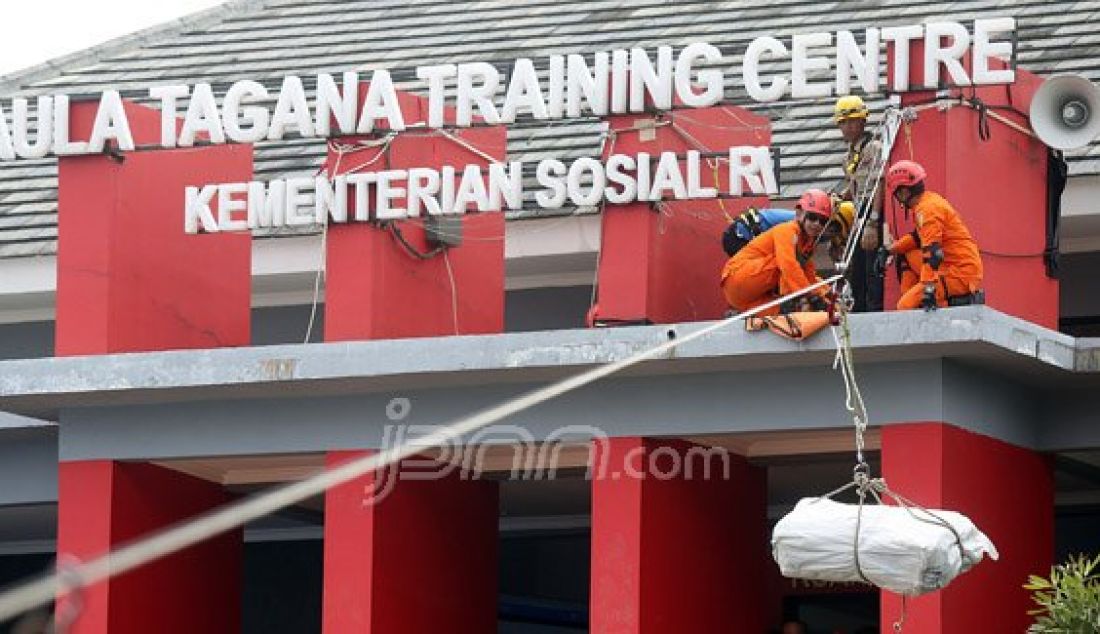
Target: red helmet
<point>904,174</point>
<point>815,201</point>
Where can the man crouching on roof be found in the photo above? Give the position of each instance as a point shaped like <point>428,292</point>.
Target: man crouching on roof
<point>942,265</point>
<point>780,261</point>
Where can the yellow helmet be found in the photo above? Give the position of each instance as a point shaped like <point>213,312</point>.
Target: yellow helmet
<point>844,216</point>
<point>849,107</point>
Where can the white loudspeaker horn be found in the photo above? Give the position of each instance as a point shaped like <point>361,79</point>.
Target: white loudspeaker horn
<point>1065,112</point>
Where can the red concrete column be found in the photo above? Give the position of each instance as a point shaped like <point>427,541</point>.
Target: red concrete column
<point>1007,491</point>
<point>410,556</point>
<point>998,185</point>
<point>128,277</point>
<point>673,548</point>
<point>374,287</point>
<point>662,265</point>
<point>102,504</point>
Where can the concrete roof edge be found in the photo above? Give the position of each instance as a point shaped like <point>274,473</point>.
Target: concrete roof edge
<point>893,336</point>
<point>15,81</point>
<point>1088,355</point>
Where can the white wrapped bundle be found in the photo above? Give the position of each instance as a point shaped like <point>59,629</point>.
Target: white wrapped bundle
<point>896,551</point>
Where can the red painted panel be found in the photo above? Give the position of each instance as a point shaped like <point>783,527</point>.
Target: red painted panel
<point>374,289</point>
<point>129,278</point>
<point>662,265</point>
<point>144,122</point>
<point>421,560</point>
<point>103,504</point>
<point>998,186</point>
<point>672,549</point>
<point>624,266</point>
<point>1007,491</point>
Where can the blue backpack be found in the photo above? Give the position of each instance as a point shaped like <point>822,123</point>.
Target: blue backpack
<point>750,224</point>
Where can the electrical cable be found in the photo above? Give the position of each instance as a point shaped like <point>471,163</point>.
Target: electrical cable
<point>322,259</point>
<point>395,231</point>
<point>454,288</point>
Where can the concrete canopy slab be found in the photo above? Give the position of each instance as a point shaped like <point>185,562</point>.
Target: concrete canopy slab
<point>976,335</point>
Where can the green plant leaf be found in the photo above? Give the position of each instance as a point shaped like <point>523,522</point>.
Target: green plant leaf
<point>1069,600</point>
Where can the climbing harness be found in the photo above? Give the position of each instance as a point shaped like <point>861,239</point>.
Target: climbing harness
<point>855,155</point>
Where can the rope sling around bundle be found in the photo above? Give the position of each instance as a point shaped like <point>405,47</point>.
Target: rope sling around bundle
<point>901,547</point>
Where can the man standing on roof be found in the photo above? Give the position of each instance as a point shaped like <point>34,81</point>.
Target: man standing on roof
<point>780,261</point>
<point>850,115</point>
<point>949,271</point>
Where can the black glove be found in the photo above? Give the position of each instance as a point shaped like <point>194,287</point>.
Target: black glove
<point>928,301</point>
<point>818,302</point>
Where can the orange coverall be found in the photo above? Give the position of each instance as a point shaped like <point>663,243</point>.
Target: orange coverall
<point>778,258</point>
<point>960,273</point>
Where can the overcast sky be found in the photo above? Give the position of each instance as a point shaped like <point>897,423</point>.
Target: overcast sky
<point>40,30</point>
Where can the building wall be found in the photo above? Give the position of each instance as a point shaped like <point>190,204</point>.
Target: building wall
<point>1080,303</point>
<point>524,310</point>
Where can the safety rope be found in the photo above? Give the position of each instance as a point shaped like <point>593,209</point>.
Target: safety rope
<point>454,288</point>
<point>716,165</point>
<point>900,623</point>
<point>67,609</point>
<point>909,140</point>
<point>171,540</point>
<point>607,148</point>
<point>341,150</point>
<point>382,145</point>
<point>744,125</point>
<point>687,136</point>
<point>853,397</point>
<point>408,247</point>
<point>862,482</point>
<point>986,113</point>
<point>469,146</point>
<point>346,149</point>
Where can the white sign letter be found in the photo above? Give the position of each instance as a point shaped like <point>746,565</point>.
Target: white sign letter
<point>21,137</point>
<point>435,75</point>
<point>256,117</point>
<point>901,36</point>
<point>523,90</point>
<point>656,82</point>
<point>291,109</point>
<point>381,103</point>
<point>984,49</point>
<point>110,123</point>
<point>202,116</point>
<point>849,58</point>
<point>477,83</point>
<point>168,96</point>
<point>330,103</point>
<point>802,64</point>
<point>935,53</point>
<point>593,86</point>
<point>197,209</point>
<point>711,79</point>
<point>751,71</point>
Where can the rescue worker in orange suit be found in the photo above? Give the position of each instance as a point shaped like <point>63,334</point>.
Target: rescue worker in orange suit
<point>780,261</point>
<point>948,271</point>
